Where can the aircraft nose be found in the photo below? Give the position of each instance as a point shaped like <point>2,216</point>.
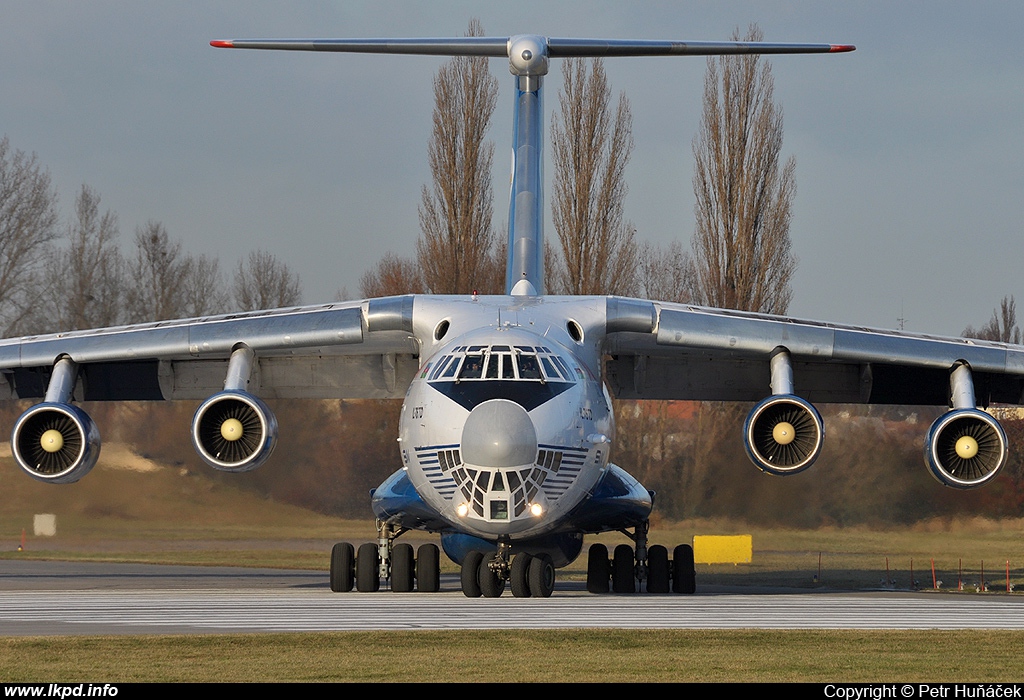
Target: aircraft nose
<point>499,433</point>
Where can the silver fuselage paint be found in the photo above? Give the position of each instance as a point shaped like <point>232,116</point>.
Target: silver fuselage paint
<point>512,446</point>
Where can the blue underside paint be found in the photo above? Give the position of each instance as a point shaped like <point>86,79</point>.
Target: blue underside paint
<point>618,501</point>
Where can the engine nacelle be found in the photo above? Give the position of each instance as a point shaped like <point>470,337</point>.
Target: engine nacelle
<point>55,442</point>
<point>234,431</point>
<point>783,434</point>
<point>965,448</point>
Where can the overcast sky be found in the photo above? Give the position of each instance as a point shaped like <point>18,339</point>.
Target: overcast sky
<point>910,151</point>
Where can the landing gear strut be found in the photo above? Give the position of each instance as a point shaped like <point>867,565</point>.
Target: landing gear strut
<point>638,564</point>
<point>366,567</point>
<point>528,575</point>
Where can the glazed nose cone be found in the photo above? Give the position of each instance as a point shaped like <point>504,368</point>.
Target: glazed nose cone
<point>499,433</point>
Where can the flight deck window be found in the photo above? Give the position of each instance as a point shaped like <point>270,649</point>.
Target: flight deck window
<point>528,367</point>
<point>503,363</point>
<point>549,367</point>
<point>473,367</point>
<point>440,366</point>
<point>450,372</point>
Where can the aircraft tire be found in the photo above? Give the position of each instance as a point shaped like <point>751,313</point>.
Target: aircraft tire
<point>491,586</point>
<point>471,574</point>
<point>519,575</point>
<point>367,568</point>
<point>623,574</point>
<point>428,568</point>
<point>684,576</point>
<point>542,576</point>
<point>403,568</point>
<point>598,569</point>
<point>657,569</point>
<point>342,563</point>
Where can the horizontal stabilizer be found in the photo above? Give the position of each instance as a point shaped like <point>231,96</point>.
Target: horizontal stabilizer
<point>556,47</point>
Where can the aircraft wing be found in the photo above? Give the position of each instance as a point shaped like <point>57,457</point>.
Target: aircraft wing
<point>691,352</point>
<point>341,350</point>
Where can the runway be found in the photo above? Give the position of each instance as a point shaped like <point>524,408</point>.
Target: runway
<point>50,598</point>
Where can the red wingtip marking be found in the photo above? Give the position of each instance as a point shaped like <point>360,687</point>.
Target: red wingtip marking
<point>842,48</point>
<point>222,44</point>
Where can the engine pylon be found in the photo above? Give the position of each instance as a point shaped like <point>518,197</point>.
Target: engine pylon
<point>783,435</point>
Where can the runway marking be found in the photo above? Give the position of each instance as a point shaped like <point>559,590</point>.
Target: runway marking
<point>252,610</point>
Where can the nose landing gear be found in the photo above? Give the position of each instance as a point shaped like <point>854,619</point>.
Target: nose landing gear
<point>528,575</point>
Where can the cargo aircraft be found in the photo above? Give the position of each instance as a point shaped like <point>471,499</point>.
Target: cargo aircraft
<point>506,428</point>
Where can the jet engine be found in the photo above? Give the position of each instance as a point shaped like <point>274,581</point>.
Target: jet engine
<point>783,434</point>
<point>234,431</point>
<point>55,442</point>
<point>965,448</point>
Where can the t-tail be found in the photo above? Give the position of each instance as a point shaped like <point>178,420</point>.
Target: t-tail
<point>528,56</point>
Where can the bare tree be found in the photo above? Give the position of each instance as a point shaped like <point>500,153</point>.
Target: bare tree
<point>666,275</point>
<point>393,275</point>
<point>1001,327</point>
<point>591,146</point>
<point>155,275</point>
<point>203,288</point>
<point>264,282</point>
<point>28,223</point>
<point>455,214</point>
<point>85,280</point>
<point>741,245</point>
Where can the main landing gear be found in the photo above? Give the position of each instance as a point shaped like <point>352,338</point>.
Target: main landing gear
<point>528,575</point>
<point>385,560</point>
<point>651,567</point>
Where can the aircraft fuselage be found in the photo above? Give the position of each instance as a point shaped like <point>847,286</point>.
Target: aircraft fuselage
<point>507,426</point>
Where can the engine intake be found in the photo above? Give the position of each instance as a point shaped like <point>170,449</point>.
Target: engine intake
<point>234,431</point>
<point>965,448</point>
<point>783,435</point>
<point>55,442</point>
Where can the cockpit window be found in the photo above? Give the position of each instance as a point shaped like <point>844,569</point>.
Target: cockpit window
<point>440,366</point>
<point>502,362</point>
<point>473,367</point>
<point>452,366</point>
<point>549,369</point>
<point>528,367</point>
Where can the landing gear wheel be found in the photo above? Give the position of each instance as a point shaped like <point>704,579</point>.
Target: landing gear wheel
<point>367,568</point>
<point>623,575</point>
<point>471,574</point>
<point>428,568</point>
<point>542,576</point>
<point>343,558</point>
<point>657,569</point>
<point>518,579</point>
<point>491,586</point>
<point>598,569</point>
<point>684,576</point>
<point>403,568</point>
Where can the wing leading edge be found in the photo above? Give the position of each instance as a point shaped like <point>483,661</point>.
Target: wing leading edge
<point>343,350</point>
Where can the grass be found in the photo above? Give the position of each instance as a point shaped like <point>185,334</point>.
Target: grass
<point>568,656</point>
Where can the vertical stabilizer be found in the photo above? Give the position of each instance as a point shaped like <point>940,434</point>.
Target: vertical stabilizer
<point>524,275</point>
